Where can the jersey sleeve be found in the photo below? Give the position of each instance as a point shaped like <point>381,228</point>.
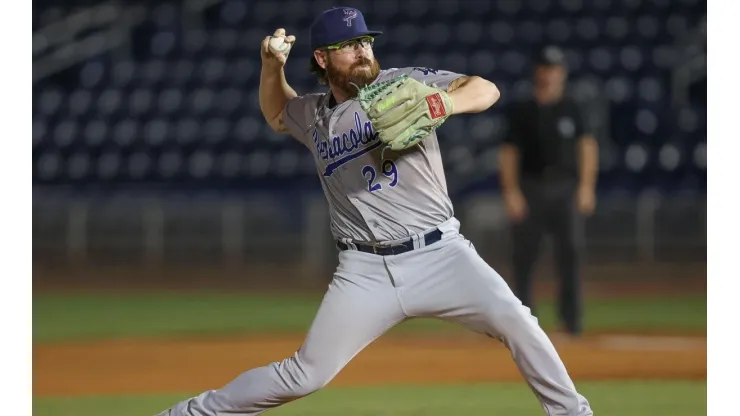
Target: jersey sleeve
<point>437,78</point>
<point>299,114</point>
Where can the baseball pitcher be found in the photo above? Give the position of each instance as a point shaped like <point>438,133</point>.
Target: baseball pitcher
<point>401,255</point>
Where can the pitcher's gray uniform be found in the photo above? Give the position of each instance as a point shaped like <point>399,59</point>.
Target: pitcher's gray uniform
<point>386,201</point>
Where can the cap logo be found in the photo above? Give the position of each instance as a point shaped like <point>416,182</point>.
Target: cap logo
<point>349,16</point>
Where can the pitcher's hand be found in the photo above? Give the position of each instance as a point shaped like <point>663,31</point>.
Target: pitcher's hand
<point>270,56</point>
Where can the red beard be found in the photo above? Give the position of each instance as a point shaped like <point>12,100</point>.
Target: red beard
<point>360,77</point>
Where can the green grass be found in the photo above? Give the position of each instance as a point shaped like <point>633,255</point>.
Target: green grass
<point>96,316</point>
<point>672,398</point>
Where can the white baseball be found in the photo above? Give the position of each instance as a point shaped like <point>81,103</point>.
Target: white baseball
<point>278,45</point>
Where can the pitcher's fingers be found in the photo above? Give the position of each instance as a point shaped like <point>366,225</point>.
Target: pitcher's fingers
<point>279,32</point>
<point>290,39</point>
<point>266,44</point>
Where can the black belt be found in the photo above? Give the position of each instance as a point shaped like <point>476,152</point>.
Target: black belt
<point>398,248</point>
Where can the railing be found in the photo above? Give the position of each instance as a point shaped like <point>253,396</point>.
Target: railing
<point>145,229</point>
<point>56,46</point>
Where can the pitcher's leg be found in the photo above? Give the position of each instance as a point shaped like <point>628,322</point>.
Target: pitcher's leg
<point>356,310</point>
<point>463,288</point>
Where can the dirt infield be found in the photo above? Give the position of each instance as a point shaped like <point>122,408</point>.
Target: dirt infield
<point>191,365</point>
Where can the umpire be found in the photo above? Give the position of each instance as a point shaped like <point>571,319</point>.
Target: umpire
<point>548,166</point>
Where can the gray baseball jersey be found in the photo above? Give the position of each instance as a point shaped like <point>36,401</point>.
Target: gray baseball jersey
<point>370,199</point>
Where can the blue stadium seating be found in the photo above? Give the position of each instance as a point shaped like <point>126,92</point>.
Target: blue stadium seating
<point>181,108</point>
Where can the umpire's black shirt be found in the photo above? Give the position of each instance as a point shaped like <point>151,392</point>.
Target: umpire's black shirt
<point>546,137</point>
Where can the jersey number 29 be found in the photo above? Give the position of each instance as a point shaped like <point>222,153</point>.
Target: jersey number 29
<point>388,169</point>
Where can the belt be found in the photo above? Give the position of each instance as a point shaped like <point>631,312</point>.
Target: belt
<point>398,248</point>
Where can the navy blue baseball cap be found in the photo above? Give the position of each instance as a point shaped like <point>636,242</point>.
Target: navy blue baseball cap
<point>337,25</point>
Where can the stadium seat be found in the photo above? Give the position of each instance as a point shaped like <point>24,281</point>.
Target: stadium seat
<point>180,101</point>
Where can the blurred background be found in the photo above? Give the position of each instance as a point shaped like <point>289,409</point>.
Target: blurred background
<point>150,152</point>
<point>154,170</point>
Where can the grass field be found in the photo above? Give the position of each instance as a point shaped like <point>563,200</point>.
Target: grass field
<point>675,398</point>
<point>82,318</point>
<point>58,317</point>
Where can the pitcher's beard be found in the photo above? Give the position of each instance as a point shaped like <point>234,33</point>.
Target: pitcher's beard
<point>361,77</point>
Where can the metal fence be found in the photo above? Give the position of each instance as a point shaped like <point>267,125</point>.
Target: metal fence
<point>202,229</point>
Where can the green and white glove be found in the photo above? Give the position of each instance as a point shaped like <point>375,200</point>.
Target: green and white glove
<point>404,111</point>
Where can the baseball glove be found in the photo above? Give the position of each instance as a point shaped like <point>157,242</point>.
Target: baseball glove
<point>403,110</point>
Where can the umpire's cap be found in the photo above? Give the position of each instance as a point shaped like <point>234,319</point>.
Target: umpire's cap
<point>550,55</point>
<point>337,25</point>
